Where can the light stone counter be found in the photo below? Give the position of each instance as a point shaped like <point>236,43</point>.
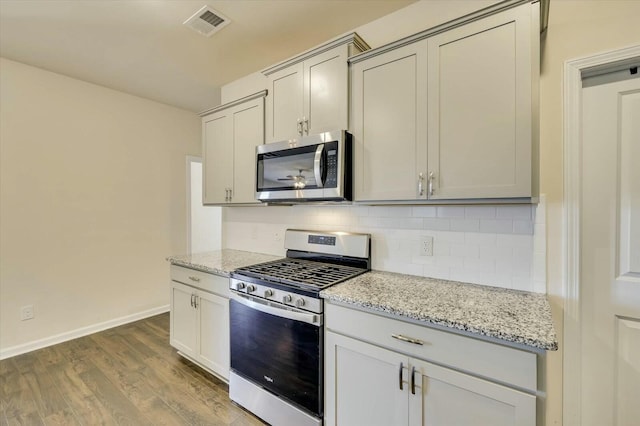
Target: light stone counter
<point>220,262</point>
<point>514,316</point>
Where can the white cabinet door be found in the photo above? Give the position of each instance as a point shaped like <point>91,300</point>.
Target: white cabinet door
<point>248,133</point>
<point>389,99</point>
<point>217,157</point>
<point>285,103</point>
<point>365,385</point>
<point>481,78</point>
<point>214,332</point>
<point>184,319</point>
<point>230,138</point>
<point>326,96</point>
<point>443,397</point>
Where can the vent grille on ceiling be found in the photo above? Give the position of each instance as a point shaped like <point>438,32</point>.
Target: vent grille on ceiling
<point>207,21</point>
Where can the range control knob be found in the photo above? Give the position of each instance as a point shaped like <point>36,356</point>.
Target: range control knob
<point>240,286</point>
<point>300,302</point>
<point>251,288</point>
<point>268,293</point>
<point>287,298</point>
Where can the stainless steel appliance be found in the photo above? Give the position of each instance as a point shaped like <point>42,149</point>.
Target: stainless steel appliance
<point>310,168</point>
<point>277,324</point>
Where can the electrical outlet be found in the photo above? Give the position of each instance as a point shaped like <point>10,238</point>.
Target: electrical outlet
<point>26,313</point>
<point>426,246</point>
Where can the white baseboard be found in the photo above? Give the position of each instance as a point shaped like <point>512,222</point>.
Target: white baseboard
<point>80,332</point>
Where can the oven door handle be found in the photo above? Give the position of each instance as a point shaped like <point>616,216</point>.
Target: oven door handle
<point>268,308</point>
<point>317,166</point>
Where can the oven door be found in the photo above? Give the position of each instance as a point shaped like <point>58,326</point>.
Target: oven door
<point>279,348</point>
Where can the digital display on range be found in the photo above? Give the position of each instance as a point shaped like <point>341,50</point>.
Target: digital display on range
<point>322,240</point>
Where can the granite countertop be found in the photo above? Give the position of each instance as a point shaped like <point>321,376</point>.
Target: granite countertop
<point>514,316</point>
<point>220,262</point>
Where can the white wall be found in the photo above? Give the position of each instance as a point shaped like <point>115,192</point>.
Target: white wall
<point>92,200</point>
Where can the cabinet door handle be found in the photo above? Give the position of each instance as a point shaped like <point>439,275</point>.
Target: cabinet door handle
<point>192,300</point>
<point>431,178</point>
<point>413,380</point>
<point>230,194</point>
<point>299,126</point>
<point>407,339</point>
<point>400,375</point>
<point>420,181</point>
<point>305,125</point>
<point>195,301</point>
<point>196,279</point>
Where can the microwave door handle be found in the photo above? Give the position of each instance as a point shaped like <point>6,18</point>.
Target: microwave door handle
<point>317,166</point>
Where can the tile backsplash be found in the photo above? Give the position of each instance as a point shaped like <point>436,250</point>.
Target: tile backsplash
<point>497,245</point>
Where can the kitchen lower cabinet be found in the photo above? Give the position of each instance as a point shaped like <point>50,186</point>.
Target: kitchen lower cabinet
<point>199,326</point>
<point>445,379</point>
<point>230,135</point>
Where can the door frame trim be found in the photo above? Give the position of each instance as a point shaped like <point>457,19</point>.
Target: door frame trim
<point>572,152</point>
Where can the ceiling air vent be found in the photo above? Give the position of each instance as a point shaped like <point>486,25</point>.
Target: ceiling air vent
<point>207,21</point>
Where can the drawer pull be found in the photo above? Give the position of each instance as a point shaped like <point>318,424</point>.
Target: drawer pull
<point>407,339</point>
<point>196,279</point>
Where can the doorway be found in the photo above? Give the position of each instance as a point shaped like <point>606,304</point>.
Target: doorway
<point>204,223</point>
<point>602,239</point>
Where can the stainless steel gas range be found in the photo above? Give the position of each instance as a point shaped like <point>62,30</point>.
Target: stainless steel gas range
<point>276,318</point>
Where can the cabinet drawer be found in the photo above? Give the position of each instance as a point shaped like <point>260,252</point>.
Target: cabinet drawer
<point>202,280</point>
<point>499,363</point>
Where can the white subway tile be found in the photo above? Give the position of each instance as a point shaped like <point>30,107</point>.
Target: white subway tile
<point>436,224</point>
<point>465,250</point>
<point>449,262</point>
<point>449,237</point>
<point>423,260</point>
<point>498,226</point>
<point>401,222</point>
<point>424,211</point>
<point>450,211</point>
<point>480,239</point>
<point>504,240</point>
<point>484,212</point>
<point>402,268</point>
<point>514,212</point>
<point>436,272</point>
<point>369,221</point>
<point>479,265</point>
<point>441,248</point>
<point>523,227</point>
<point>523,283</point>
<point>464,225</point>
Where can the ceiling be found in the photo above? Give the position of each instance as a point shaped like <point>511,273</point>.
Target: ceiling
<point>141,46</point>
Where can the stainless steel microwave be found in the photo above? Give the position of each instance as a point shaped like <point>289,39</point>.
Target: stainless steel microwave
<point>310,168</point>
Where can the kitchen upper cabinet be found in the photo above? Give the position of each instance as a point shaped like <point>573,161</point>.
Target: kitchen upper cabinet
<point>482,83</point>
<point>309,93</point>
<point>450,114</point>
<point>199,318</point>
<point>389,375</point>
<point>389,125</point>
<point>230,135</point>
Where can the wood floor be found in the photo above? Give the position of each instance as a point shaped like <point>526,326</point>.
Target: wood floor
<point>127,375</point>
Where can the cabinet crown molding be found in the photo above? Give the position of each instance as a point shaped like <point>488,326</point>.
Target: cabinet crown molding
<point>351,38</point>
<point>474,16</point>
<point>261,94</point>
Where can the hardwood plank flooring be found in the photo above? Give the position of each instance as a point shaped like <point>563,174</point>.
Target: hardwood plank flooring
<point>128,375</point>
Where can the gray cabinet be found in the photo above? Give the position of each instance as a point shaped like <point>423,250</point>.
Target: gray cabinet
<point>309,93</point>
<point>389,123</point>
<point>374,379</point>
<point>482,80</point>
<point>451,114</point>
<point>199,325</point>
<point>230,135</point>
